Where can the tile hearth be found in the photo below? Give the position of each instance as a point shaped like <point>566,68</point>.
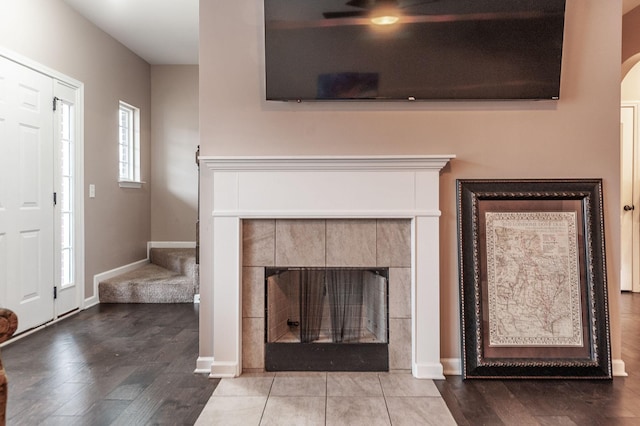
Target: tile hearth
<point>326,399</point>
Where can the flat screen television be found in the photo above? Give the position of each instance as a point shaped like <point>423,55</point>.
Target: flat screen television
<point>436,50</point>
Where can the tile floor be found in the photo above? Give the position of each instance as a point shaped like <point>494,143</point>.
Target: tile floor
<point>326,399</point>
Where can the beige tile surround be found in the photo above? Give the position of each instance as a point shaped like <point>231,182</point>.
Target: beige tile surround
<point>326,243</point>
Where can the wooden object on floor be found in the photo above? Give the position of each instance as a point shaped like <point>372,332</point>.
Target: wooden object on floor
<point>8,326</point>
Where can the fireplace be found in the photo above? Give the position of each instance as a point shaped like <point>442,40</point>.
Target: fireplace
<point>266,199</point>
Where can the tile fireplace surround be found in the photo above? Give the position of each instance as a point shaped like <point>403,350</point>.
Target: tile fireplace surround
<point>234,189</point>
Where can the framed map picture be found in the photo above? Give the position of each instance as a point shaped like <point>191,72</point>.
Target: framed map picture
<point>533,279</point>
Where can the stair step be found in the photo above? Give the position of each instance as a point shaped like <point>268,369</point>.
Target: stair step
<point>148,284</point>
<point>171,278</point>
<point>179,260</point>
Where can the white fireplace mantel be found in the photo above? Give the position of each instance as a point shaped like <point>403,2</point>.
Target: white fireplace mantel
<point>237,188</point>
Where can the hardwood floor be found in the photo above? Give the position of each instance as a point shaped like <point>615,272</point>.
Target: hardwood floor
<point>111,364</point>
<point>133,364</point>
<point>555,402</point>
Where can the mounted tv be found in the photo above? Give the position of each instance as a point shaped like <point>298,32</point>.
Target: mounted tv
<point>419,50</point>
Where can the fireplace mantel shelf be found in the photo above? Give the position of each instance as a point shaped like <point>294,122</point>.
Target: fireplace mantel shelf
<point>311,162</point>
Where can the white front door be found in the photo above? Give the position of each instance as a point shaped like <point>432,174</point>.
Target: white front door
<point>66,184</point>
<point>26,194</point>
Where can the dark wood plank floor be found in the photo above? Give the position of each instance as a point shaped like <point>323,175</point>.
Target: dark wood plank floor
<point>556,402</point>
<point>133,364</point>
<point>110,364</point>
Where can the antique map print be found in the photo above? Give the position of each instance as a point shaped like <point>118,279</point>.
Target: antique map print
<point>533,279</point>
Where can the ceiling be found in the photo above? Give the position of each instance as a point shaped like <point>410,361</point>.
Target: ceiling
<point>159,31</point>
<point>627,5</point>
<point>162,31</point>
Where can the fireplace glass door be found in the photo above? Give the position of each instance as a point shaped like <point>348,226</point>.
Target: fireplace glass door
<point>327,319</point>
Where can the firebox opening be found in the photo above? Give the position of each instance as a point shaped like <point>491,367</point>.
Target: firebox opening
<point>329,319</point>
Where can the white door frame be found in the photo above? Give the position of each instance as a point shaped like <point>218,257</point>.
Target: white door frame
<point>630,270</point>
<point>78,88</point>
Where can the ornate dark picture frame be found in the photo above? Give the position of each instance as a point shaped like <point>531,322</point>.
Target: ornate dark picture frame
<point>533,287</point>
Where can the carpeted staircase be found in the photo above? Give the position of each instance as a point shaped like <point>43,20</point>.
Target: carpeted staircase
<point>170,277</point>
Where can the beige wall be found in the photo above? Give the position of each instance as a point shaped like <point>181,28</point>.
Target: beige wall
<point>630,39</point>
<point>577,136</point>
<point>49,32</point>
<point>631,84</point>
<point>174,131</point>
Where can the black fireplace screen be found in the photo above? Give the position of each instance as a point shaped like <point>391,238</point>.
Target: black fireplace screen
<point>327,319</point>
<point>327,305</point>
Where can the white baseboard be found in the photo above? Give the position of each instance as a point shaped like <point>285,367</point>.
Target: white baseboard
<point>618,368</point>
<point>91,301</point>
<point>452,366</point>
<point>203,365</point>
<point>113,273</point>
<point>428,371</point>
<point>220,370</point>
<point>169,244</point>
